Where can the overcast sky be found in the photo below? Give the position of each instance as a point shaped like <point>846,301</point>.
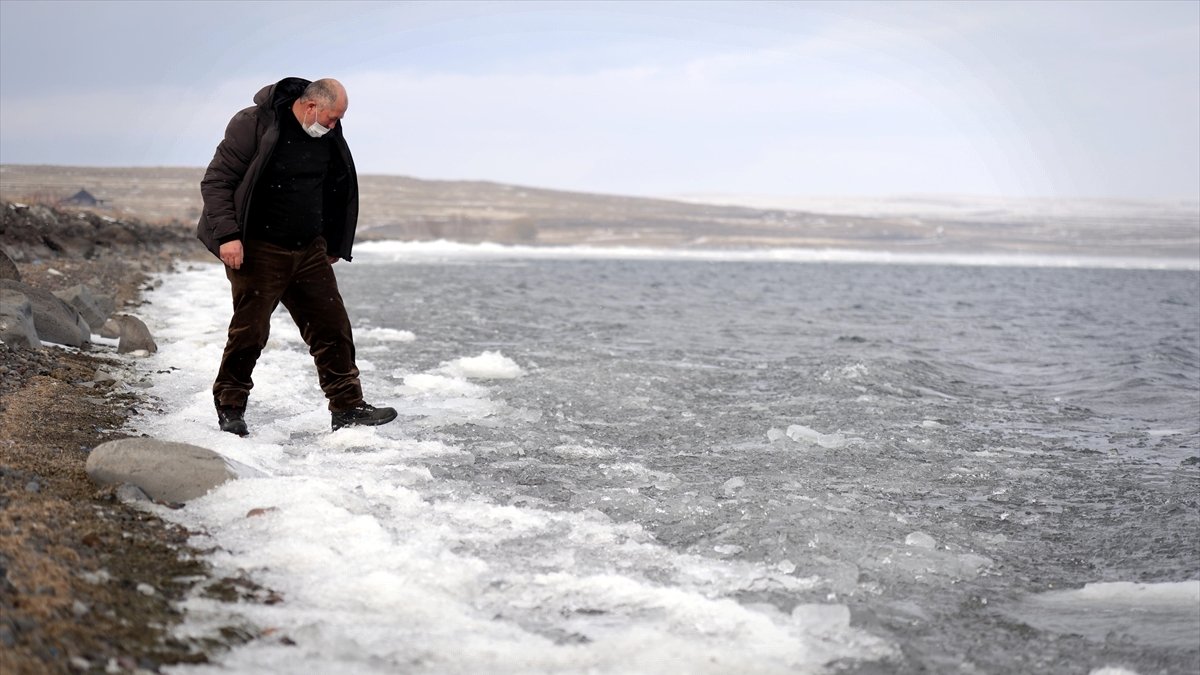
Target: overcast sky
<point>1072,99</point>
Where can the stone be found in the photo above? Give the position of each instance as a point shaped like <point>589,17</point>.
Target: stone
<point>111,329</point>
<point>107,304</point>
<point>16,321</point>
<point>89,306</point>
<point>135,336</point>
<point>166,471</point>
<point>8,268</point>
<point>104,377</point>
<point>54,320</point>
<point>132,494</point>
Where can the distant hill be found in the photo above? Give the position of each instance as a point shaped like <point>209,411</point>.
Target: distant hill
<point>399,207</point>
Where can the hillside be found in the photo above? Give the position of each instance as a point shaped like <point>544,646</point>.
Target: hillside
<point>398,207</point>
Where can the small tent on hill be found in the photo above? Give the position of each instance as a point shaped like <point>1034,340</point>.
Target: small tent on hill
<point>82,198</point>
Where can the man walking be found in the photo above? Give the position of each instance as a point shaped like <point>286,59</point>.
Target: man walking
<point>280,207</point>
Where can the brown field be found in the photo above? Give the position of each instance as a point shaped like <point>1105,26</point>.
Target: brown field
<point>399,207</point>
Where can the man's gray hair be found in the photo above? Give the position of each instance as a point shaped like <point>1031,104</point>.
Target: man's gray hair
<point>323,91</point>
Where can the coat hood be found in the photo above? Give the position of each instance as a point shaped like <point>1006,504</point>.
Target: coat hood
<point>287,89</point>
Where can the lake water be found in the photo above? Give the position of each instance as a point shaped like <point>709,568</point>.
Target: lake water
<point>724,463</point>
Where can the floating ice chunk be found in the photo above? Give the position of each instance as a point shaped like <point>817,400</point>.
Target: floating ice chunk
<point>1162,614</point>
<point>775,434</point>
<point>855,371</point>
<point>636,476</point>
<point>665,481</point>
<point>803,434</point>
<point>831,441</point>
<point>921,558</point>
<point>387,335</point>
<point>970,564</point>
<point>786,566</point>
<point>852,372</point>
<point>425,383</point>
<point>921,540</point>
<point>821,619</point>
<point>728,549</point>
<point>730,487</point>
<point>1182,593</point>
<point>909,610</point>
<point>1112,670</point>
<point>932,424</point>
<point>1158,433</point>
<point>574,451</point>
<point>486,366</point>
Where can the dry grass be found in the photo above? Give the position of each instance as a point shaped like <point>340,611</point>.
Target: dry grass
<point>399,207</point>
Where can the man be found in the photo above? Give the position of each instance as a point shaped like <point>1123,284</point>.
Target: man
<point>280,207</point>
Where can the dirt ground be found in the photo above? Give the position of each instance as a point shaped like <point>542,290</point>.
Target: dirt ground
<point>87,583</point>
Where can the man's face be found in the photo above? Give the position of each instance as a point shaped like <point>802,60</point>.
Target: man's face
<point>326,116</point>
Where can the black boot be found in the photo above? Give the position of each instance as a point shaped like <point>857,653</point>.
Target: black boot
<point>232,419</point>
<point>364,415</point>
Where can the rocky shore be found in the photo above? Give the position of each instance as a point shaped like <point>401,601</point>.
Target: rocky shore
<point>88,583</point>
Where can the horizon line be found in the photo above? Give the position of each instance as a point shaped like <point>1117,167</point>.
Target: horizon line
<point>698,194</point>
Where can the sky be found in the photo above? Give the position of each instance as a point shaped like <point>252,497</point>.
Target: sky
<point>1016,99</point>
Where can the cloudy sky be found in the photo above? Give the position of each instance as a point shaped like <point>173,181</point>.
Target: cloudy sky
<point>1071,99</point>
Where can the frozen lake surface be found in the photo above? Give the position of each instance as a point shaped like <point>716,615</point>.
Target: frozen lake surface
<point>638,464</point>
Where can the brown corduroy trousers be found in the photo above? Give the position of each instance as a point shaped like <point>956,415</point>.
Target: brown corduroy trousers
<point>305,283</point>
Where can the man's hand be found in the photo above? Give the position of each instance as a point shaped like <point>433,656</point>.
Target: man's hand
<point>232,254</point>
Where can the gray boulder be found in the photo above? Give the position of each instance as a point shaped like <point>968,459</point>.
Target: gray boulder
<point>166,471</point>
<point>90,307</point>
<point>16,320</point>
<point>55,320</point>
<point>111,329</point>
<point>8,268</point>
<point>135,335</point>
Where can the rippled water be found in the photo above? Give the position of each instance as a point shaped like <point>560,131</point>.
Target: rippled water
<point>1038,418</point>
<point>938,449</point>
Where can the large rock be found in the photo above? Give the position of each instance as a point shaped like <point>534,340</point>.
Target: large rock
<point>16,320</point>
<point>90,307</point>
<point>55,320</point>
<point>8,268</point>
<point>111,329</point>
<point>167,471</point>
<point>135,335</point>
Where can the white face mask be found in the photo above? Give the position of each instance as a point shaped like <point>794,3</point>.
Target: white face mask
<point>315,129</point>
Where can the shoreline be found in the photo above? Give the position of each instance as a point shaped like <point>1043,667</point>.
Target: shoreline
<point>88,583</point>
<point>493,250</point>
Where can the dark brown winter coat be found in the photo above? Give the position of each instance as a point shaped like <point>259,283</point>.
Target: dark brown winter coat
<point>229,182</point>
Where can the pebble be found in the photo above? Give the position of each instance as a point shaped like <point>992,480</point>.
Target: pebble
<point>146,589</point>
<point>33,486</point>
<point>128,492</point>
